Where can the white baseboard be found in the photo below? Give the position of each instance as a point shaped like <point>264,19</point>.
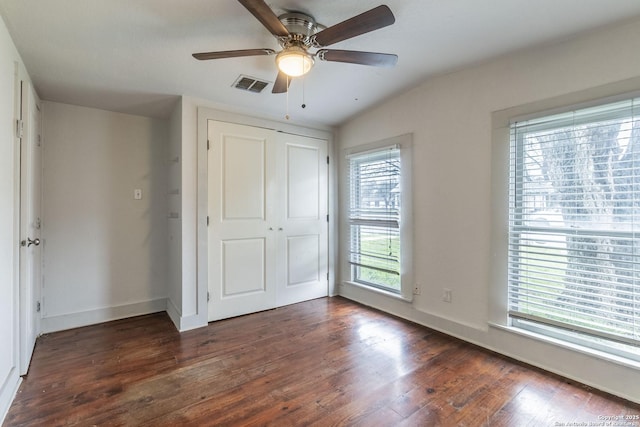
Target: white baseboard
<point>185,323</point>
<point>92,317</point>
<point>174,313</point>
<point>8,392</point>
<point>188,323</point>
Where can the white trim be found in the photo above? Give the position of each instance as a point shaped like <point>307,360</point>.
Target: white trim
<point>355,151</point>
<point>376,290</point>
<point>100,315</point>
<point>174,313</point>
<point>188,323</point>
<point>181,323</point>
<point>575,106</point>
<point>8,392</point>
<point>570,346</point>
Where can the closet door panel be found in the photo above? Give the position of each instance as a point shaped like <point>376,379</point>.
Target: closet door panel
<point>303,259</point>
<point>243,185</point>
<point>241,239</point>
<point>237,279</point>
<point>302,270</point>
<point>303,195</point>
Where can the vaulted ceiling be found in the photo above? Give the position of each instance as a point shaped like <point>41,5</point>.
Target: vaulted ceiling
<point>134,56</point>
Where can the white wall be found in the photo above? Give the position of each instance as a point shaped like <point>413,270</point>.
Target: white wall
<point>191,297</point>
<point>174,189</point>
<point>105,254</point>
<point>187,304</point>
<point>450,117</point>
<point>10,62</point>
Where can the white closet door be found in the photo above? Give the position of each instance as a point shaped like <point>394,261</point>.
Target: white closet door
<point>242,255</point>
<point>302,226</point>
<point>268,230</point>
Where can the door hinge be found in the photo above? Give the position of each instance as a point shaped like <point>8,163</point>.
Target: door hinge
<point>327,159</point>
<point>207,220</point>
<point>208,296</point>
<point>208,145</point>
<point>38,306</point>
<point>19,128</point>
<point>327,218</point>
<point>327,275</point>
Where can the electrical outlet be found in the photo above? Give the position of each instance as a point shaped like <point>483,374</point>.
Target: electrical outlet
<point>416,289</point>
<point>137,194</point>
<point>446,295</point>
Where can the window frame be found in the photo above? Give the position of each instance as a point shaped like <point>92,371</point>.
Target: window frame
<point>404,144</point>
<point>500,315</point>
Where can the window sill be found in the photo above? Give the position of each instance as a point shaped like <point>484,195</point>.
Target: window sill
<point>618,360</point>
<point>378,291</point>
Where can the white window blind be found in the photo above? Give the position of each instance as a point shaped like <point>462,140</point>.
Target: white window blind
<point>574,222</point>
<point>374,218</point>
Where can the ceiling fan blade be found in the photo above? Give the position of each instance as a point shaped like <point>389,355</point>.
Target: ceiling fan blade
<point>282,83</point>
<point>233,53</point>
<point>371,20</point>
<point>356,57</point>
<point>265,15</point>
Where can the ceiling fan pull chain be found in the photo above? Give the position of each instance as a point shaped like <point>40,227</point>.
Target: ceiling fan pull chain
<point>286,116</point>
<point>304,105</point>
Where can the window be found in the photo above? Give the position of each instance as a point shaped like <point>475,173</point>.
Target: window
<point>378,254</point>
<point>574,226</point>
<point>374,218</point>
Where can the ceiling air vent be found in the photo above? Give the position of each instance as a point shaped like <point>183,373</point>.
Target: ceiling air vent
<point>250,83</point>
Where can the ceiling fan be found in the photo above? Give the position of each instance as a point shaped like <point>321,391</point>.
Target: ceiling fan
<point>297,32</point>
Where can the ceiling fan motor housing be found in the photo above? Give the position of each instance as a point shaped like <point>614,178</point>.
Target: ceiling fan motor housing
<point>300,26</point>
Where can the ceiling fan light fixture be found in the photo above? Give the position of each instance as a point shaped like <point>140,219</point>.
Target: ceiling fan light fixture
<point>294,61</point>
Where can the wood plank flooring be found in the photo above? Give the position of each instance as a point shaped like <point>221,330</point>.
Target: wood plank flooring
<point>326,362</point>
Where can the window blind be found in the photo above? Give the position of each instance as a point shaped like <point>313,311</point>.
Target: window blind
<point>574,221</point>
<point>374,217</point>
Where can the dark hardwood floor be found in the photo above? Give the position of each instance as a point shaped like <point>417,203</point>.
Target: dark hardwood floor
<point>327,362</point>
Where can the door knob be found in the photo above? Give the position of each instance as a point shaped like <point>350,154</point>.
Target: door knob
<point>30,242</point>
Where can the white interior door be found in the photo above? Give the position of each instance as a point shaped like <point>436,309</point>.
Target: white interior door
<point>30,252</point>
<point>303,227</point>
<point>268,230</point>
<point>241,220</point>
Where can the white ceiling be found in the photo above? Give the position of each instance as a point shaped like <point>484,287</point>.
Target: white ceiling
<point>134,56</point>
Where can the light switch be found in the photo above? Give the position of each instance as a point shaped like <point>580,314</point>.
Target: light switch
<point>137,194</point>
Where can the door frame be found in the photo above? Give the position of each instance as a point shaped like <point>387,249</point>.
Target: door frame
<point>204,114</point>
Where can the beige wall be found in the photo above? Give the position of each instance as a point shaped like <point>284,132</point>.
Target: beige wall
<point>105,254</point>
<point>174,206</point>
<point>450,117</point>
